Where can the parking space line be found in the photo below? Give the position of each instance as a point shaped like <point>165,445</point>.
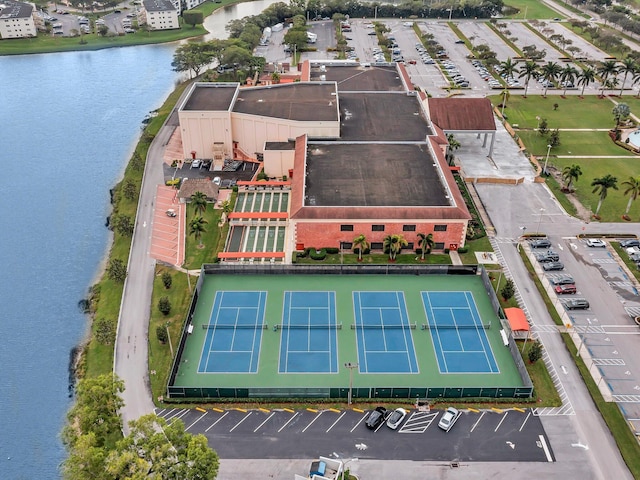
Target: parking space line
<point>311,423</point>
<point>166,412</point>
<point>288,421</point>
<point>173,413</point>
<point>545,448</point>
<point>237,424</point>
<point>340,417</point>
<point>212,425</point>
<point>266,420</point>
<point>199,418</point>
<point>500,423</point>
<point>525,421</point>
<point>477,422</point>
<point>359,422</point>
<point>418,422</point>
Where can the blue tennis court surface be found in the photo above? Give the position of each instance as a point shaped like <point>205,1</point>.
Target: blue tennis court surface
<point>457,333</point>
<point>234,332</point>
<point>309,341</point>
<point>383,333</point>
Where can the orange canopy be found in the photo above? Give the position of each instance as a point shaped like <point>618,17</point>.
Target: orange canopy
<point>517,319</point>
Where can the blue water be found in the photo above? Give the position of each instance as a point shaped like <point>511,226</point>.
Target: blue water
<point>68,124</point>
<point>634,138</point>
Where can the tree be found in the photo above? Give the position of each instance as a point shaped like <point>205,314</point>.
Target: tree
<point>606,70</point>
<point>426,243</point>
<point>167,280</point>
<point>543,127</point>
<point>297,37</point>
<point>535,351</point>
<point>454,144</point>
<point>550,72</point>
<point>197,228</point>
<point>275,77</point>
<point>105,331</point>
<point>136,161</point>
<point>554,138</point>
<point>193,17</point>
<point>360,243</point>
<point>393,245</point>
<point>571,173</point>
<point>122,224</point>
<point>627,66</point>
<point>164,305</point>
<point>508,290</point>
<point>199,202</point>
<point>508,67</point>
<point>568,76</point>
<point>620,113</point>
<point>160,450</point>
<point>161,334</point>
<point>602,185</point>
<point>636,79</point>
<point>192,57</point>
<point>632,189</point>
<point>529,70</point>
<point>117,271</point>
<point>129,190</point>
<point>585,77</point>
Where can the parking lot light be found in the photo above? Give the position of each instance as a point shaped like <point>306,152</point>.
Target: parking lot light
<point>350,366</point>
<point>544,170</point>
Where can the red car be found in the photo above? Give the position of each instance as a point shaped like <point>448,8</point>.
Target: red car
<point>412,62</point>
<point>562,289</point>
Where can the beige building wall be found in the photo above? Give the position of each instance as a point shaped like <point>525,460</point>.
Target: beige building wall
<point>277,163</point>
<point>17,27</point>
<point>200,130</point>
<point>164,20</point>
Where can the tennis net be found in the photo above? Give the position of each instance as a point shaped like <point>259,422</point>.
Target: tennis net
<point>365,326</point>
<point>465,326</point>
<point>282,326</point>
<point>214,326</point>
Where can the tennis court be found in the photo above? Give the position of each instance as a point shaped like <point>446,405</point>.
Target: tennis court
<point>458,334</point>
<point>309,340</point>
<point>234,332</point>
<point>383,333</point>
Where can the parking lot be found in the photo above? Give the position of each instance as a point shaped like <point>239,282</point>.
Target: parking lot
<point>487,436</point>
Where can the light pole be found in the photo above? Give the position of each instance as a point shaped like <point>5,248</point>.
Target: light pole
<point>343,462</point>
<point>544,170</point>
<point>539,220</point>
<point>450,12</point>
<point>350,366</point>
<point>504,101</point>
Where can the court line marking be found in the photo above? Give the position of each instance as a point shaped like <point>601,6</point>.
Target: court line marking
<point>477,422</point>
<point>213,424</point>
<point>266,420</point>
<point>339,418</point>
<point>545,448</point>
<point>311,423</point>
<point>288,421</point>
<point>199,418</point>
<point>359,422</point>
<point>525,421</point>
<point>500,423</point>
<point>238,424</point>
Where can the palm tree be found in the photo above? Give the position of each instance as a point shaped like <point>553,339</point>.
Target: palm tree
<point>454,144</point>
<point>550,73</point>
<point>585,77</point>
<point>570,174</point>
<point>196,228</point>
<point>508,68</point>
<point>360,242</point>
<point>636,79</point>
<point>568,75</point>
<point>426,243</point>
<point>528,70</point>
<point>199,202</point>
<point>393,244</point>
<point>602,185</point>
<point>627,66</point>
<point>633,190</point>
<point>605,70</point>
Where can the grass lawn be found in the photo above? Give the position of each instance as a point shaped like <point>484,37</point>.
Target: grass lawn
<point>570,113</point>
<point>573,143</point>
<point>544,390</point>
<point>533,9</point>
<point>616,202</point>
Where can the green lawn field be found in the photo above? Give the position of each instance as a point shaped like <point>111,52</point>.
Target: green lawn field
<point>532,8</point>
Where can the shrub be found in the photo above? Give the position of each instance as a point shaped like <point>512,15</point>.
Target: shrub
<point>318,254</point>
<point>332,250</point>
<point>161,334</point>
<point>535,352</point>
<point>508,289</point>
<point>164,305</point>
<point>167,279</point>
<point>105,331</point>
<point>172,183</point>
<point>117,271</point>
<point>463,249</point>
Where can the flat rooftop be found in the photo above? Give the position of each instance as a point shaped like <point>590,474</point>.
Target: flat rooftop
<point>360,79</point>
<point>384,116</point>
<point>312,102</point>
<point>211,96</point>
<point>372,174</point>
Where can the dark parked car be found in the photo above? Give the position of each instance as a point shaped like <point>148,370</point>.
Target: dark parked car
<point>630,242</point>
<point>376,418</point>
<point>548,256</point>
<point>564,280</point>
<point>549,266</point>
<point>577,304</point>
<point>565,289</point>
<point>541,243</point>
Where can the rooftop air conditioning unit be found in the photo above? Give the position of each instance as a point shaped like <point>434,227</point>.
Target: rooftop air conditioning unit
<point>323,68</point>
<point>323,78</point>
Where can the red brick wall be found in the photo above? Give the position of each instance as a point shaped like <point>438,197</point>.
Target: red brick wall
<point>320,235</point>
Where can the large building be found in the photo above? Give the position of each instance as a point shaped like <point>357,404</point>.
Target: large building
<point>159,15</point>
<point>16,20</point>
<point>356,144</point>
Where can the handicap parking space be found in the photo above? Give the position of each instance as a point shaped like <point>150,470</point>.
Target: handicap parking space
<point>488,435</point>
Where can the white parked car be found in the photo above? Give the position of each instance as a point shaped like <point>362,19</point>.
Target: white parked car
<point>396,418</point>
<point>449,419</point>
<point>596,242</point>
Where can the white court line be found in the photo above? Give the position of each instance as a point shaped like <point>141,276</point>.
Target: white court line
<point>288,421</point>
<point>225,414</point>
<point>260,426</point>
<point>545,448</point>
<point>237,424</point>
<point>200,418</point>
<point>363,417</point>
<point>525,421</point>
<point>343,414</point>
<point>311,423</point>
<point>503,418</point>
<point>477,422</point>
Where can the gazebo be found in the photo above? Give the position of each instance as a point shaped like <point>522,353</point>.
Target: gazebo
<point>518,322</point>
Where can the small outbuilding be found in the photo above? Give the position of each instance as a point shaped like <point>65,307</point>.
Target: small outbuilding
<point>193,185</point>
<point>518,322</point>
